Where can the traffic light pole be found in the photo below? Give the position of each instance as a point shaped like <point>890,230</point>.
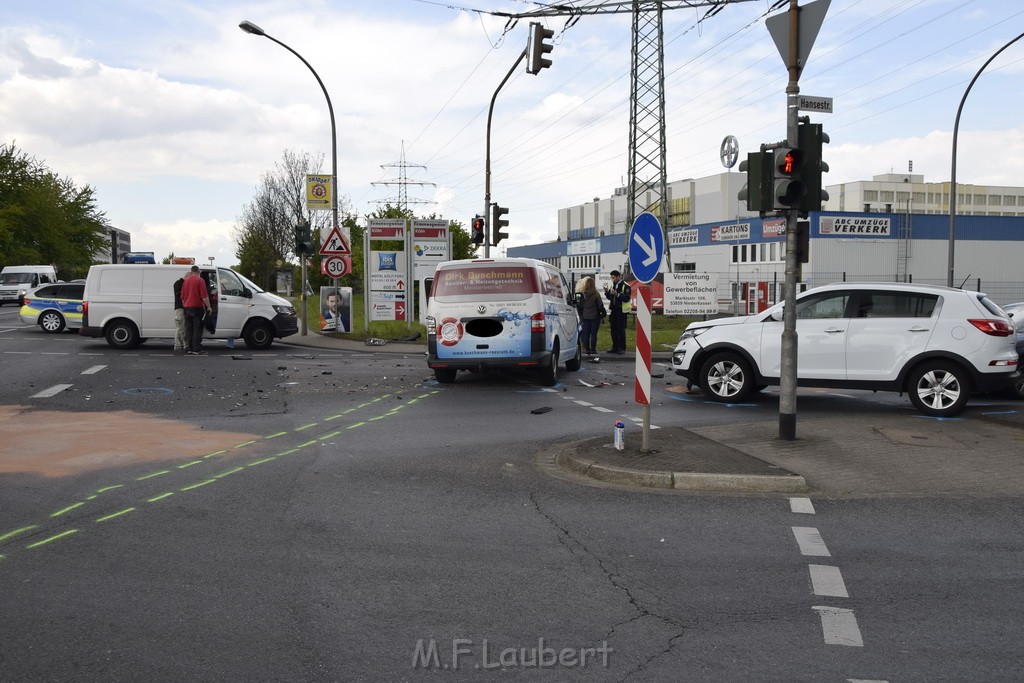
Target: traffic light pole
<point>787,379</point>
<point>487,162</point>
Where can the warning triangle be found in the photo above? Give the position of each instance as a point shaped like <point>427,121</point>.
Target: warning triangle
<point>335,244</point>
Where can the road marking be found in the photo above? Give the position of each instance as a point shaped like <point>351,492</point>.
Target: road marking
<point>51,539</point>
<point>69,508</point>
<point>12,534</point>
<point>116,514</point>
<point>803,506</point>
<point>150,476</point>
<point>55,353</point>
<point>195,486</point>
<point>52,391</point>
<point>603,410</point>
<point>584,404</point>
<point>839,626</point>
<point>160,497</point>
<point>810,542</point>
<point>828,581</point>
<point>93,370</point>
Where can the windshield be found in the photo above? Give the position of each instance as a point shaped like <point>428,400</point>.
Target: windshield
<point>15,278</point>
<point>247,282</point>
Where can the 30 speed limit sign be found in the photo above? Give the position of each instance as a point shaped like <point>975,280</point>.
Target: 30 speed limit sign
<point>336,266</point>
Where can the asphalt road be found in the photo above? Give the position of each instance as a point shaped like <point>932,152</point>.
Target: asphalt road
<point>298,515</point>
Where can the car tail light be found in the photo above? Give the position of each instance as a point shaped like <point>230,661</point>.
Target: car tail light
<point>85,307</point>
<point>537,322</point>
<point>26,302</point>
<point>996,328</point>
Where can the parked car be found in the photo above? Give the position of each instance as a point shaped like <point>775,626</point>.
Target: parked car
<point>1016,313</point>
<point>54,307</point>
<point>938,344</point>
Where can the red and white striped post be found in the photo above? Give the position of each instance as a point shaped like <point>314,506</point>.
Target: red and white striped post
<point>642,390</point>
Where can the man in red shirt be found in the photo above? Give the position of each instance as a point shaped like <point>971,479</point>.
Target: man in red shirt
<point>196,300</point>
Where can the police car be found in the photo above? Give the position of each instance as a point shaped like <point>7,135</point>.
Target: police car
<point>54,307</point>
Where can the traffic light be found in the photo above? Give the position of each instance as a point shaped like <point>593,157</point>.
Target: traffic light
<point>787,168</point>
<point>756,193</point>
<point>497,223</point>
<point>803,241</point>
<point>536,48</point>
<point>477,232</point>
<point>811,137</point>
<point>303,240</point>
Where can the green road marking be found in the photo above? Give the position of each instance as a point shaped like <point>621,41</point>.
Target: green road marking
<point>69,508</point>
<point>150,476</point>
<point>274,436</point>
<point>51,539</point>
<point>327,436</point>
<point>299,429</point>
<point>308,443</point>
<point>109,488</point>
<point>379,417</point>
<point>355,424</point>
<point>210,455</point>
<point>189,464</point>
<point>224,474</point>
<point>12,534</point>
<point>116,514</point>
<point>195,486</point>
<point>243,444</point>
<point>160,497</point>
<point>288,452</point>
<point>260,462</point>
<point>92,497</point>
<point>333,417</point>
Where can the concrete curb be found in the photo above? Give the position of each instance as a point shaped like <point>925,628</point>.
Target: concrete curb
<point>592,468</point>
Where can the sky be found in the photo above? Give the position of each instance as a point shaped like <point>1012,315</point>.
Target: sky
<point>172,114</point>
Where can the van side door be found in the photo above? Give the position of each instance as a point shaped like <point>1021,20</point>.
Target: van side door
<point>232,305</point>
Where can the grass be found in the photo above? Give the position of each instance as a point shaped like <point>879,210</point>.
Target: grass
<point>664,334</point>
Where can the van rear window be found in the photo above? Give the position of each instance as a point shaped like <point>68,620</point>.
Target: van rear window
<point>486,280</point>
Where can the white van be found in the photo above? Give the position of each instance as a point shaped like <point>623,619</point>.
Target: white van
<point>129,303</point>
<point>501,313</point>
<point>16,280</point>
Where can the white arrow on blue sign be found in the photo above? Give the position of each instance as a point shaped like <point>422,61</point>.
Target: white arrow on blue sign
<point>646,247</point>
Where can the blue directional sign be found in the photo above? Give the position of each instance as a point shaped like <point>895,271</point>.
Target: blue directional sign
<point>646,247</point>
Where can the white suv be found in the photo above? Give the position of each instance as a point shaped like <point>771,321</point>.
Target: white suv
<point>939,344</point>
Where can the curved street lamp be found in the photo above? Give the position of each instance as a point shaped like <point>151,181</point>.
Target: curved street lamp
<point>255,30</point>
<point>952,175</point>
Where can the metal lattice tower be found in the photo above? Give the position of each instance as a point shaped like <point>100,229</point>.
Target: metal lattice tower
<point>401,200</point>
<point>648,182</point>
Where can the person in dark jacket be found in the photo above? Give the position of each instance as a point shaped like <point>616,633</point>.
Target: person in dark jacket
<point>591,313</point>
<point>617,295</point>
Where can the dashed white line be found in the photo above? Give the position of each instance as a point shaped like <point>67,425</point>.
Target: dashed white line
<point>52,391</point>
<point>839,626</point>
<point>827,581</point>
<point>810,542</point>
<point>802,506</point>
<point>93,370</point>
<point>602,410</point>
<point>584,404</point>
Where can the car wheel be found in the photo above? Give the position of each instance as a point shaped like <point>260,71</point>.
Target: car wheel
<point>258,336</point>
<point>549,372</point>
<point>122,334</point>
<point>939,389</point>
<point>445,375</point>
<point>51,321</point>
<point>574,363</point>
<point>1016,390</point>
<point>726,378</point>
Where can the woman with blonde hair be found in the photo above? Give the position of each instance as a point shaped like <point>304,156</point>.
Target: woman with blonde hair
<point>592,311</point>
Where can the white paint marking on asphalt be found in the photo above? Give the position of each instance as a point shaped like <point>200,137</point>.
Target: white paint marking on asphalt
<point>810,542</point>
<point>603,410</point>
<point>584,404</point>
<point>827,580</point>
<point>803,506</point>
<point>839,626</point>
<point>52,391</point>
<point>23,353</point>
<point>93,370</point>
<point>865,680</point>
<point>55,353</point>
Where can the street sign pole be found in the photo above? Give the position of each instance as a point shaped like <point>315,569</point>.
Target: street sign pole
<point>646,250</point>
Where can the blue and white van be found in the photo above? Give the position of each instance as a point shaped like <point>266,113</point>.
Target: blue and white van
<point>501,313</point>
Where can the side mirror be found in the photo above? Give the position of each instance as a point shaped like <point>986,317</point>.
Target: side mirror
<point>777,314</point>
<point>246,292</point>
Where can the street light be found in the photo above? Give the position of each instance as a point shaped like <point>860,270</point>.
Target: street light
<point>255,30</point>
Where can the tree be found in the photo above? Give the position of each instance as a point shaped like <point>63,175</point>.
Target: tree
<point>45,218</point>
<point>264,234</point>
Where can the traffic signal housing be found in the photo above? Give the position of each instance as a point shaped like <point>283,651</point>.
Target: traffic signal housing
<point>537,47</point>
<point>757,191</point>
<point>787,169</point>
<point>477,230</point>
<point>810,138</point>
<point>497,223</point>
<point>303,239</point>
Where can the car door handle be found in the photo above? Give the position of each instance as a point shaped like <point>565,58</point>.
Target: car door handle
<point>918,329</point>
<point>834,330</point>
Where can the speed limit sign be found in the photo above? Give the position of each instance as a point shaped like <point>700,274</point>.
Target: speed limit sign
<point>336,266</point>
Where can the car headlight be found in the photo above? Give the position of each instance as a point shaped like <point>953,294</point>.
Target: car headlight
<point>690,334</point>
<point>285,310</point>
